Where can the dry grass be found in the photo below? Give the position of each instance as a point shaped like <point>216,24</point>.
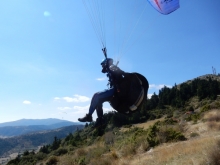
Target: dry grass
<point>148,124</point>
<point>213,115</point>
<point>91,155</point>
<point>213,119</point>
<point>192,152</point>
<point>214,154</point>
<point>199,149</point>
<point>143,125</point>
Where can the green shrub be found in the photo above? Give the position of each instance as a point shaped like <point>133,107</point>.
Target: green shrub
<point>81,161</point>
<point>160,133</point>
<point>52,160</point>
<point>169,121</point>
<point>194,134</point>
<point>15,161</point>
<point>60,151</point>
<point>151,135</point>
<point>194,117</point>
<point>72,142</point>
<point>205,108</point>
<point>169,134</point>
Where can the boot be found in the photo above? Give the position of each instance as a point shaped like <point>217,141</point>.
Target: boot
<point>87,118</point>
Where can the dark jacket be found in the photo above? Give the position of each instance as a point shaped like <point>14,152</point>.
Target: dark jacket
<point>115,75</point>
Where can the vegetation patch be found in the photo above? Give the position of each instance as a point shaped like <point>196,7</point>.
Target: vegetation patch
<point>160,133</point>
<point>53,160</point>
<point>108,145</point>
<point>194,134</point>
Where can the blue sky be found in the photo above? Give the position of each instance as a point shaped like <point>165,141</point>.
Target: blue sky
<point>50,55</point>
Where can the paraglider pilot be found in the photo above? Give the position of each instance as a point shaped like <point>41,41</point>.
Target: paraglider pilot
<point>115,75</point>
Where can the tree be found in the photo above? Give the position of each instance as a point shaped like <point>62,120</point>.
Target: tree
<point>56,143</point>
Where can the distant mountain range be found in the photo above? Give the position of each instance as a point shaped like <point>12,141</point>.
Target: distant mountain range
<point>27,122</point>
<point>25,126</point>
<point>33,140</point>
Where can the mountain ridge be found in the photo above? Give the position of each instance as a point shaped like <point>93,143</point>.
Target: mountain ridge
<point>24,126</point>
<point>26,122</point>
<point>34,139</point>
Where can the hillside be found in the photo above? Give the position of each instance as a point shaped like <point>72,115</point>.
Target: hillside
<point>9,131</point>
<point>33,140</point>
<point>179,127</point>
<point>205,77</point>
<point>25,126</point>
<point>128,145</point>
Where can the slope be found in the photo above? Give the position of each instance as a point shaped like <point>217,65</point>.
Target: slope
<point>186,134</point>
<point>33,140</point>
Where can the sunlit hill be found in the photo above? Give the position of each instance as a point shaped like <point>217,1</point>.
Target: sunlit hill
<point>180,125</point>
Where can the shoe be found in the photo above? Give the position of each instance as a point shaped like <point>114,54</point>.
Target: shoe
<point>87,118</point>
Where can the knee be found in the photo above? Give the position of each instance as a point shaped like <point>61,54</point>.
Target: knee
<point>96,97</point>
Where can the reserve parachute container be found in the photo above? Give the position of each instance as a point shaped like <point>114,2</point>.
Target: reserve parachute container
<point>165,6</point>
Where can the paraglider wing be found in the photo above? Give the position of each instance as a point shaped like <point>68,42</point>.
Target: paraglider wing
<point>165,6</point>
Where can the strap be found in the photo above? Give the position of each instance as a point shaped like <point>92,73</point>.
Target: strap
<point>139,99</point>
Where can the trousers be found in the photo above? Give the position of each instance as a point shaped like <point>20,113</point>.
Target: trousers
<point>98,99</point>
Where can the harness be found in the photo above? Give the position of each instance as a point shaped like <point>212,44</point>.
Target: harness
<point>132,92</point>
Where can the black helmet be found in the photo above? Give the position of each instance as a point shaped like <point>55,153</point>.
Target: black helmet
<point>106,61</point>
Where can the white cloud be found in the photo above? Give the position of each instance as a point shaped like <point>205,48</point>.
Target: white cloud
<point>69,99</point>
<point>56,98</point>
<point>101,79</point>
<point>107,109</point>
<point>149,96</point>
<point>76,98</point>
<point>79,108</point>
<point>64,108</point>
<point>26,102</point>
<point>47,14</point>
<point>153,86</point>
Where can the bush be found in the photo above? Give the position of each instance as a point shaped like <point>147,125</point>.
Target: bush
<point>60,151</point>
<point>52,160</point>
<point>194,117</point>
<point>205,108</point>
<point>96,152</point>
<point>151,136</point>
<point>128,150</point>
<point>160,133</point>
<point>81,161</point>
<point>81,152</point>
<point>15,161</point>
<point>194,134</point>
<point>40,156</point>
<point>168,134</point>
